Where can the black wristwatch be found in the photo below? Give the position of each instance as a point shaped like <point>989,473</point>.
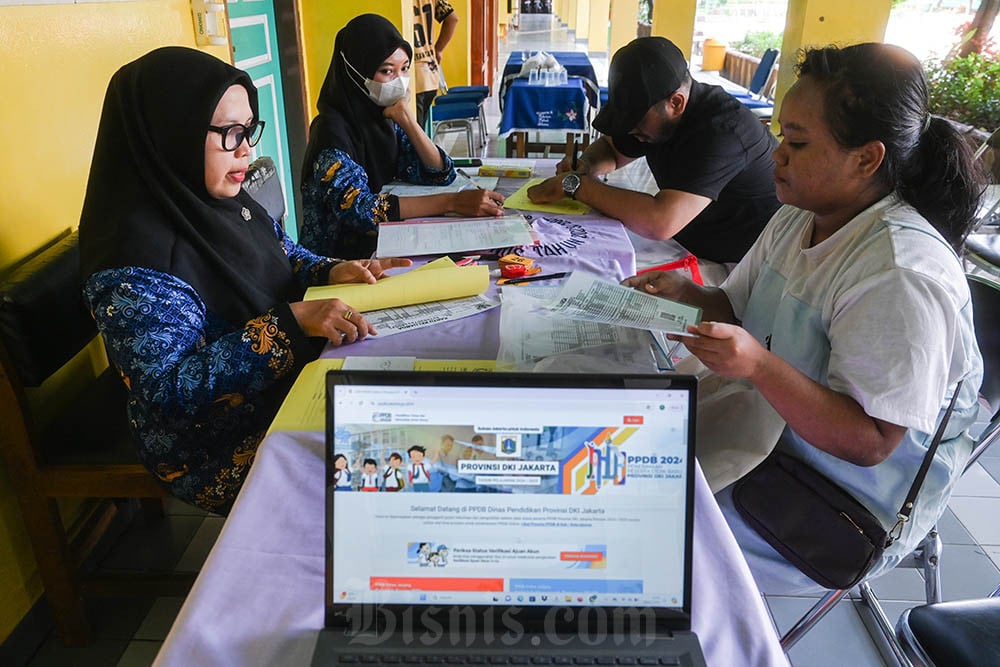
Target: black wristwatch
<point>570,184</point>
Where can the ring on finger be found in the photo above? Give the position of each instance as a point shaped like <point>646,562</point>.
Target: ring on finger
<point>348,314</point>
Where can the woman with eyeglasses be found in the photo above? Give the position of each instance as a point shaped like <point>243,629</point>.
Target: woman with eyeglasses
<point>196,291</point>
<point>366,136</point>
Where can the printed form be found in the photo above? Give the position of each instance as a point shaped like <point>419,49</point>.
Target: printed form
<point>592,299</point>
<point>440,236</point>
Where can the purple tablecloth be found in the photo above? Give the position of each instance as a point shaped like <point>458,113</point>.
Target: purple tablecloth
<point>259,597</point>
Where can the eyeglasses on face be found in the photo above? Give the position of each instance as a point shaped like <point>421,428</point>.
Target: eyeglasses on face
<point>233,135</point>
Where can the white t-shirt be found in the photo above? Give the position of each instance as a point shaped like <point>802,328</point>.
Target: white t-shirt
<point>879,311</point>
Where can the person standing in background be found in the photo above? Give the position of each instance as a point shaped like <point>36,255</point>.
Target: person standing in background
<point>427,52</point>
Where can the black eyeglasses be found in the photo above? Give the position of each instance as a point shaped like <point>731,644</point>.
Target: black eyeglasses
<point>233,135</point>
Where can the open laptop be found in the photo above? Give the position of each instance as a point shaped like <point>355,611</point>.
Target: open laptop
<point>508,518</point>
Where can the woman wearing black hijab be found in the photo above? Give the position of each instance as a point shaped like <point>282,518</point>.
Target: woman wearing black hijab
<point>196,291</point>
<point>366,136</point>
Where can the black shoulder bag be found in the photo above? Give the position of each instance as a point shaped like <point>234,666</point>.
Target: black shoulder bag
<point>816,525</point>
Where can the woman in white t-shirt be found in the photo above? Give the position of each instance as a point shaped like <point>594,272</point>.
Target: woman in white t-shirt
<point>851,313</point>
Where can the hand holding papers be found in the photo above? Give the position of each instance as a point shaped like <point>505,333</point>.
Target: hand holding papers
<point>439,236</point>
<point>436,281</point>
<point>403,302</point>
<point>588,298</point>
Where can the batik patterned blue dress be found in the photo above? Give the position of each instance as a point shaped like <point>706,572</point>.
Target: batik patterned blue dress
<point>202,391</point>
<point>338,203</point>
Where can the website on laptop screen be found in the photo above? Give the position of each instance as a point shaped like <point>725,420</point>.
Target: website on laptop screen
<point>500,495</point>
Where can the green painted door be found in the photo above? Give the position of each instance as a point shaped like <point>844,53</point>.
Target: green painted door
<point>255,50</point>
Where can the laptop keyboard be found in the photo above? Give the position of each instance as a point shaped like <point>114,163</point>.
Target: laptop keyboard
<point>360,660</point>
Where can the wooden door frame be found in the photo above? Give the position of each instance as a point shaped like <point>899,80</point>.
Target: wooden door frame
<point>483,43</point>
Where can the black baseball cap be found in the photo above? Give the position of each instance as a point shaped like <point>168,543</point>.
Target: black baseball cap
<point>642,73</point>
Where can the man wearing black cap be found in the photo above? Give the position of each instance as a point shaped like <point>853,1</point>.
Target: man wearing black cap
<point>710,156</point>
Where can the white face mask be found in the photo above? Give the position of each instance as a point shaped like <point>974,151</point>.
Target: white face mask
<point>383,94</point>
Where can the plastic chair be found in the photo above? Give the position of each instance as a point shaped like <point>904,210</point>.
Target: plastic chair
<point>760,76</point>
<point>262,183</point>
<point>927,556</point>
<point>963,633</point>
<point>459,115</point>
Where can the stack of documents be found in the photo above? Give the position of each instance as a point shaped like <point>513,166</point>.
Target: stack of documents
<point>431,294</point>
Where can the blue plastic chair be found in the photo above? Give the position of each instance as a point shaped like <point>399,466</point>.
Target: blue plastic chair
<point>760,76</point>
<point>458,115</point>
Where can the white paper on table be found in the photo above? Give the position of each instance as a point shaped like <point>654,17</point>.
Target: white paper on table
<point>583,296</point>
<point>510,163</point>
<point>389,321</point>
<point>401,189</point>
<point>379,363</point>
<point>439,236</point>
<point>532,338</point>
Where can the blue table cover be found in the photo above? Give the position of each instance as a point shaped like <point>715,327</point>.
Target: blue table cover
<point>537,107</point>
<point>577,64</point>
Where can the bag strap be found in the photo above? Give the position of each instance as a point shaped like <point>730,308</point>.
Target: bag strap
<point>904,512</point>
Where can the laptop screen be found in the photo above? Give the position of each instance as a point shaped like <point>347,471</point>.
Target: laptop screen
<point>509,489</point>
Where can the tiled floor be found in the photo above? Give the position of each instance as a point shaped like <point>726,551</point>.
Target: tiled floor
<point>129,632</point>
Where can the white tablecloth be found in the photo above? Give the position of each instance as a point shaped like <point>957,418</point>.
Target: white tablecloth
<point>259,597</point>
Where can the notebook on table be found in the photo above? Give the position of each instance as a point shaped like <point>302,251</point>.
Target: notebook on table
<point>508,518</point>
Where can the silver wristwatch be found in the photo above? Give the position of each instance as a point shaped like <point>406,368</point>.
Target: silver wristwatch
<point>570,184</point>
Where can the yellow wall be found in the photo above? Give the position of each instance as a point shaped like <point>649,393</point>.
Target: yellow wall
<point>57,61</point>
<point>456,62</point>
<point>674,19</point>
<point>570,19</point>
<point>597,38</point>
<point>811,23</point>
<point>624,21</point>
<point>582,19</point>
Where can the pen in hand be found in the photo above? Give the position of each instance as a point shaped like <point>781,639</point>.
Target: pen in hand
<point>461,172</point>
<point>574,162</point>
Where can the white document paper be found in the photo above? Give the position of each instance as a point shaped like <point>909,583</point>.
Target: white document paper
<point>401,189</point>
<point>587,297</point>
<point>390,321</point>
<point>532,338</point>
<point>439,236</point>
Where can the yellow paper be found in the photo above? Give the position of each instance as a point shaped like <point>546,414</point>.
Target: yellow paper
<point>304,408</point>
<point>436,281</point>
<point>456,365</point>
<point>519,200</point>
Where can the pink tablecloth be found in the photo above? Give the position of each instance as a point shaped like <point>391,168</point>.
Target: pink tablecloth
<point>259,597</point>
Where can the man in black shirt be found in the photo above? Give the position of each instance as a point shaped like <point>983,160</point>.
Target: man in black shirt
<point>710,156</point>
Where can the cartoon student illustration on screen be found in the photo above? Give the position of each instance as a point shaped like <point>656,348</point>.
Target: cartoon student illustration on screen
<point>393,479</point>
<point>369,475</point>
<point>442,555</point>
<point>420,470</point>
<point>423,554</point>
<point>341,474</point>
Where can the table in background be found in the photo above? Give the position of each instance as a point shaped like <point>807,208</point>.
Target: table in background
<point>259,597</point>
<point>540,107</point>
<point>577,64</point>
<point>535,107</point>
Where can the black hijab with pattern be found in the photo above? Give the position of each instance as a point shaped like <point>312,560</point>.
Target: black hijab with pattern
<point>347,119</point>
<point>147,204</point>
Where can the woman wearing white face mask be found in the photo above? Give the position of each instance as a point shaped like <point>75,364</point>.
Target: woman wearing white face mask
<point>366,136</point>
